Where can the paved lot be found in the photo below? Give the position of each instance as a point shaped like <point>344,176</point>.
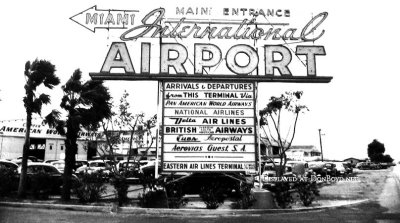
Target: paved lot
<point>381,187</point>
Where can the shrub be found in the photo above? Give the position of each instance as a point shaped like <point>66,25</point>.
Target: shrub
<point>90,187</point>
<point>212,195</point>
<point>283,194</point>
<point>175,195</point>
<point>8,181</point>
<point>153,199</point>
<point>41,185</point>
<point>121,188</point>
<point>245,198</point>
<point>307,191</point>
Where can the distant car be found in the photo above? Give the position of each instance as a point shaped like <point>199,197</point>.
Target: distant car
<point>384,165</point>
<point>319,168</point>
<point>331,169</point>
<point>375,166</point>
<point>362,165</point>
<point>348,167</point>
<point>368,166</point>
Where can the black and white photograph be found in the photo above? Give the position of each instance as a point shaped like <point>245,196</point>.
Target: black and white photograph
<point>199,111</point>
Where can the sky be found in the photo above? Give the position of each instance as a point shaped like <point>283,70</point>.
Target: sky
<point>359,104</point>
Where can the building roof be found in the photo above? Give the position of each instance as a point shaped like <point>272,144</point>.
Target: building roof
<point>352,158</point>
<point>267,142</point>
<point>310,148</point>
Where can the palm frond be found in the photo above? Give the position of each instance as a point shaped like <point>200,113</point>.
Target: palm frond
<point>51,81</point>
<point>74,83</point>
<point>44,98</point>
<point>27,68</point>
<point>52,118</point>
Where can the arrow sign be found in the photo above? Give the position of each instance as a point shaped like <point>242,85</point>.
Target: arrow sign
<point>93,18</point>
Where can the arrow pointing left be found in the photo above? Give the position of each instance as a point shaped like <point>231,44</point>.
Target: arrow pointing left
<point>93,18</point>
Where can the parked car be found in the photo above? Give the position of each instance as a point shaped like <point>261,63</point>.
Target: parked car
<point>149,168</point>
<point>30,159</point>
<point>49,161</point>
<point>319,168</point>
<point>8,165</point>
<point>54,174</point>
<point>268,175</point>
<point>300,168</point>
<point>348,167</point>
<point>340,169</point>
<point>94,166</point>
<point>9,174</point>
<point>375,166</point>
<point>79,163</point>
<point>368,166</point>
<point>123,165</point>
<point>387,165</point>
<point>362,166</point>
<point>131,170</point>
<point>331,169</point>
<point>59,164</point>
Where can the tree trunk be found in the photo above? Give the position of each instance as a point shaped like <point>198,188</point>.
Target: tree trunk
<point>25,151</point>
<point>70,151</point>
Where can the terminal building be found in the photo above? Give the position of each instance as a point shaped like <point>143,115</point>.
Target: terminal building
<point>47,144</point>
<point>296,152</point>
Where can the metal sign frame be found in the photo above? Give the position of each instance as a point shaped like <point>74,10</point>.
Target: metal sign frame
<point>253,135</point>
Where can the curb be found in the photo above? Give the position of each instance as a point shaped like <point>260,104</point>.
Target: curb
<point>170,212</point>
<point>69,207</point>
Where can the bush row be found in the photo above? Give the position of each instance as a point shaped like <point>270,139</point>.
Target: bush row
<point>159,193</point>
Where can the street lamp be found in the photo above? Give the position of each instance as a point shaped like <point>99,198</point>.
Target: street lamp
<point>320,144</point>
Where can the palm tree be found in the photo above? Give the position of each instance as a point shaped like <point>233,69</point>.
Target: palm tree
<point>86,104</point>
<point>37,73</point>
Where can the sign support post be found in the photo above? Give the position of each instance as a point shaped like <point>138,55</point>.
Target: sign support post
<point>258,136</point>
<point>156,171</point>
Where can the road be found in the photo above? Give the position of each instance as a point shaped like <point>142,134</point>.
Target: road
<point>381,187</point>
<point>390,196</point>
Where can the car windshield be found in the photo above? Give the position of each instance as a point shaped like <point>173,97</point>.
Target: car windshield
<point>49,169</point>
<point>98,164</point>
<point>130,164</point>
<point>59,165</point>
<point>268,168</point>
<point>8,165</point>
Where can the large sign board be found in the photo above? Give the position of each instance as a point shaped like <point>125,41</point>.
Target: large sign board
<point>209,126</point>
<point>173,44</point>
<point>209,61</point>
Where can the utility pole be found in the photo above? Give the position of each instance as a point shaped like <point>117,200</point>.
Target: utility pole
<point>320,144</point>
